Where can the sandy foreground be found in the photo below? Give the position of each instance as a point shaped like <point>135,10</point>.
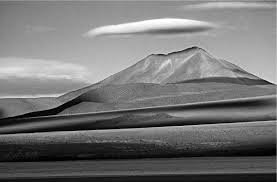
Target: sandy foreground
<point>250,168</point>
<point>244,138</point>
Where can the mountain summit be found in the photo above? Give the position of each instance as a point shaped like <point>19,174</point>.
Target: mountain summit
<point>189,64</point>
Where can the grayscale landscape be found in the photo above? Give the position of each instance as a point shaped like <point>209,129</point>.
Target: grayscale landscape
<point>167,110</point>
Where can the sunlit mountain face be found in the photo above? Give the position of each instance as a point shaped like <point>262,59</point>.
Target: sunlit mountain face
<point>189,64</point>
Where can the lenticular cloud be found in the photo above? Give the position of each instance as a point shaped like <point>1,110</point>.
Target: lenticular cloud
<point>153,26</point>
<point>230,5</point>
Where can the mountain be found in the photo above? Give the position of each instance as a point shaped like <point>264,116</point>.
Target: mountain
<point>188,76</point>
<point>189,64</point>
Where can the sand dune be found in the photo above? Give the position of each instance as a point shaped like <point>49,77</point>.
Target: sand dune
<point>233,110</point>
<point>252,138</point>
<point>10,107</point>
<point>137,95</point>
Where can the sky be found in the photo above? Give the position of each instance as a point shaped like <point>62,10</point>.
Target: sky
<point>49,48</point>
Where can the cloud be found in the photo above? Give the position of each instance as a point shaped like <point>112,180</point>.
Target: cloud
<point>38,29</point>
<point>230,5</point>
<point>42,69</point>
<point>35,77</point>
<point>34,87</point>
<point>165,26</point>
<point>5,95</point>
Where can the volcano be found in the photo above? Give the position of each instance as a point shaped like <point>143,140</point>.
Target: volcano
<point>187,77</point>
<point>192,65</point>
<point>189,64</point>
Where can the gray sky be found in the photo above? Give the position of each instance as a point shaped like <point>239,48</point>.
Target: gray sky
<point>46,43</point>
